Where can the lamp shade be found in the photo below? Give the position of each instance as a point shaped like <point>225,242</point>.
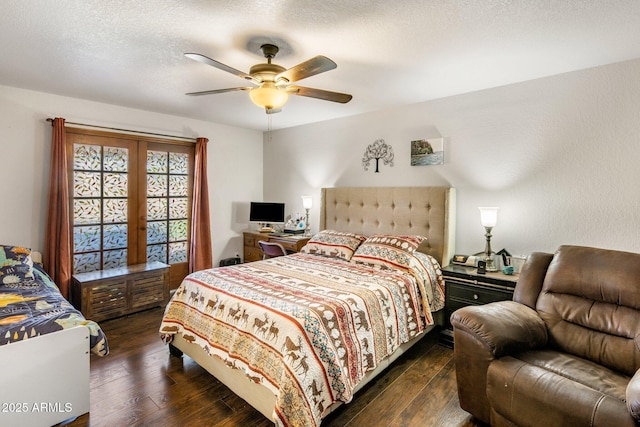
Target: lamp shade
<point>488,216</point>
<point>268,96</point>
<point>307,202</point>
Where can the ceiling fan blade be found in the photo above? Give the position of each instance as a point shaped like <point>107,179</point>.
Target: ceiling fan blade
<point>311,67</point>
<point>219,65</point>
<point>326,95</point>
<point>272,110</point>
<point>211,92</point>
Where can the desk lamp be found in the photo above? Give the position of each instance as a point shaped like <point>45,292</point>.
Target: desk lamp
<point>307,202</point>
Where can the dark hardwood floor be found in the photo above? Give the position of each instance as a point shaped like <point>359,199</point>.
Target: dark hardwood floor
<point>140,384</point>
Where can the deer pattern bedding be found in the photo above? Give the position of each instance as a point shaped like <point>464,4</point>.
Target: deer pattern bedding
<point>34,306</point>
<point>305,326</point>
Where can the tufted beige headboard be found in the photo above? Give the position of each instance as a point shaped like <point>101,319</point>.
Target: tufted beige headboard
<point>426,211</point>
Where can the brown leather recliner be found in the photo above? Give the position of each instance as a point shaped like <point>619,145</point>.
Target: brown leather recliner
<point>564,352</point>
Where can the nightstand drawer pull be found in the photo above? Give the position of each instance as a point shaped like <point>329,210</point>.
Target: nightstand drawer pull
<point>475,294</point>
<point>462,281</point>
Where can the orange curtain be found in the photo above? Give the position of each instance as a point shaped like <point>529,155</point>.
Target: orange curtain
<point>200,254</point>
<point>57,241</point>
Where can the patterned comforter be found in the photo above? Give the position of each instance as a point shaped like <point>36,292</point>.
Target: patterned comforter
<point>305,326</point>
<point>36,307</point>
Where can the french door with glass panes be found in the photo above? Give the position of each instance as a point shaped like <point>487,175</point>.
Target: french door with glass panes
<point>130,201</point>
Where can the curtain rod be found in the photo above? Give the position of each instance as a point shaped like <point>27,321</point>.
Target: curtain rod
<point>126,130</point>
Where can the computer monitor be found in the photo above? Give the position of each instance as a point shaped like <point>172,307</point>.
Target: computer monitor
<point>266,212</point>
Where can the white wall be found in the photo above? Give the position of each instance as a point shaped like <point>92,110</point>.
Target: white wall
<point>234,162</point>
<point>560,156</point>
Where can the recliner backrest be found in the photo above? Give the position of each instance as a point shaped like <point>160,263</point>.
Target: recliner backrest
<point>590,302</point>
<point>531,278</point>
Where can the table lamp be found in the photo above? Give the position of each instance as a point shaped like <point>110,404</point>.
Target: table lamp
<point>489,218</point>
<point>307,202</point>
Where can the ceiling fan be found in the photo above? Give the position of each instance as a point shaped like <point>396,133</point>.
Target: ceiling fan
<point>274,82</point>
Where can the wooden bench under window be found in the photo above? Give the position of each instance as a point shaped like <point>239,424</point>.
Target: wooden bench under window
<point>114,292</point>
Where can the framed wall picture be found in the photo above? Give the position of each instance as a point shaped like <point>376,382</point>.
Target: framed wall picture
<point>426,152</point>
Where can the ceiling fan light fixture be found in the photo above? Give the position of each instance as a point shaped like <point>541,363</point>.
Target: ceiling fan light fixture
<point>274,81</point>
<point>268,96</point>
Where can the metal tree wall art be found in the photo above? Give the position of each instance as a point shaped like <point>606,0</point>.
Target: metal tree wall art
<point>377,151</point>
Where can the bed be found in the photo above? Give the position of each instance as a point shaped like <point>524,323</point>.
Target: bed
<point>296,336</point>
<point>44,345</point>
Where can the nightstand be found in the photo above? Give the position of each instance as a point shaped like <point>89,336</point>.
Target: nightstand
<point>464,286</point>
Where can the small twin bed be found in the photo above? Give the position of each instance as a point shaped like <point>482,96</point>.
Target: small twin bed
<point>44,346</point>
<point>298,335</point>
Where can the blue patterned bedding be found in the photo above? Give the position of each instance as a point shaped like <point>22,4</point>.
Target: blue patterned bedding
<point>29,308</point>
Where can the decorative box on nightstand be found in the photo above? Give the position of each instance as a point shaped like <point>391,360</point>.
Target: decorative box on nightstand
<point>464,286</point>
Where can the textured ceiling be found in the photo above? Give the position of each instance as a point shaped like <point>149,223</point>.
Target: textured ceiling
<point>389,53</point>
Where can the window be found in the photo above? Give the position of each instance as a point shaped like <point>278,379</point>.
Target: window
<point>130,201</point>
<point>167,207</point>
<point>100,206</point>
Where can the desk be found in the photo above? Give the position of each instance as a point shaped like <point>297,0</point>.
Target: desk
<point>252,251</point>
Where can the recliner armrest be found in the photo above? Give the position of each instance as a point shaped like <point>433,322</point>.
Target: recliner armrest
<point>633,396</point>
<point>486,332</point>
<point>505,327</point>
